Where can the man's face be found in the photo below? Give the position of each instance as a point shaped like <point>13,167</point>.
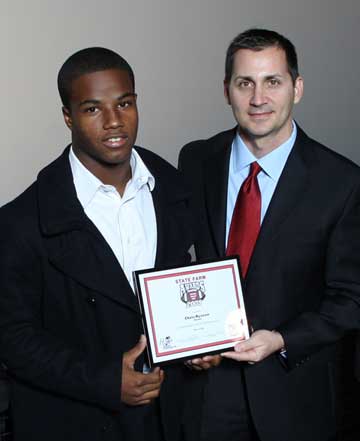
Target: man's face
<point>103,118</point>
<point>262,95</point>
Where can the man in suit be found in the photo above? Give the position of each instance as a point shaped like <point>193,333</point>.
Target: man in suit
<point>290,208</point>
<point>70,325</point>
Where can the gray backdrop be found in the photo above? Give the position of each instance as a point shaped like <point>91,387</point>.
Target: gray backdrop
<point>177,50</point>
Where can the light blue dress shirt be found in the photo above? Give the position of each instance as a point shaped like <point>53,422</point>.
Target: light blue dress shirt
<point>272,166</point>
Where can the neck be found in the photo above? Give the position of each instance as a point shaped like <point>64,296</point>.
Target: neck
<point>117,175</point>
<point>260,146</point>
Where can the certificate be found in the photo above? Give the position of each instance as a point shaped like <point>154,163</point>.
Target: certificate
<point>192,310</point>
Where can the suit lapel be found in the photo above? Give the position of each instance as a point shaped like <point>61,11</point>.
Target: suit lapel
<point>216,172</point>
<point>291,187</point>
<point>74,244</point>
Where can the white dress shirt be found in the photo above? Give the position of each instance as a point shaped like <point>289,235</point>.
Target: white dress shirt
<point>271,164</point>
<point>127,223</point>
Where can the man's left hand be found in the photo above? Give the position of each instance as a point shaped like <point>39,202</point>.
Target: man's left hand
<point>260,345</point>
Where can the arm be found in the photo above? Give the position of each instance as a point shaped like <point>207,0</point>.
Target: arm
<point>338,310</point>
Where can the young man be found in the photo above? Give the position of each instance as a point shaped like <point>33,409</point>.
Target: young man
<point>290,208</point>
<point>70,325</point>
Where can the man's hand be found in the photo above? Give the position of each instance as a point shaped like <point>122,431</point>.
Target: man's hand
<point>204,363</point>
<point>260,345</point>
<point>138,388</point>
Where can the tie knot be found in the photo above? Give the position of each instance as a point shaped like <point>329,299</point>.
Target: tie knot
<point>255,169</point>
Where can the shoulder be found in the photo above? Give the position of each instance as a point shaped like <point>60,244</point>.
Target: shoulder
<point>203,148</point>
<point>166,175</point>
<point>19,226</point>
<point>21,209</point>
<point>327,160</point>
<point>155,163</point>
<point>331,158</point>
<point>21,215</point>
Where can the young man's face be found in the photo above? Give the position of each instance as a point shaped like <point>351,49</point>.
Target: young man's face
<point>103,118</point>
<point>262,95</point>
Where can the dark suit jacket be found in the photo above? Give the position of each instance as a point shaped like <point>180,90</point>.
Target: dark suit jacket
<point>303,278</point>
<point>67,312</point>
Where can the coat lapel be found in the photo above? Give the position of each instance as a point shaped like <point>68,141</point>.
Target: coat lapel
<point>74,244</point>
<point>216,172</point>
<point>291,187</point>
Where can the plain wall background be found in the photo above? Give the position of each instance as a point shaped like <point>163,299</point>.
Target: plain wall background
<point>177,49</point>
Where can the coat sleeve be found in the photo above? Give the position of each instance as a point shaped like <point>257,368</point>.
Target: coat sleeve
<point>32,354</point>
<point>339,309</point>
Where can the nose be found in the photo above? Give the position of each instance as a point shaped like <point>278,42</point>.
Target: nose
<point>112,118</point>
<point>258,98</point>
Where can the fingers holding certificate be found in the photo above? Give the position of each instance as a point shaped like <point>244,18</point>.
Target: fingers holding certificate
<point>192,311</point>
<point>204,363</point>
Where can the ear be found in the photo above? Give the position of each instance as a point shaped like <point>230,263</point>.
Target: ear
<point>298,89</point>
<point>67,117</point>
<point>226,92</point>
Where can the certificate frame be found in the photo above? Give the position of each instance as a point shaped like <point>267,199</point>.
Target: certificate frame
<point>187,314</point>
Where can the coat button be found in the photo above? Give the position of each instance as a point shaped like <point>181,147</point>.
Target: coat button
<point>91,300</point>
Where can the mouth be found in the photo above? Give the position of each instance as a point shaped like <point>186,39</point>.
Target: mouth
<point>260,115</point>
<point>115,141</point>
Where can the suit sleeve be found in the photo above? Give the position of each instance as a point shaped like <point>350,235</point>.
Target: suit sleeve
<point>34,355</point>
<point>339,310</point>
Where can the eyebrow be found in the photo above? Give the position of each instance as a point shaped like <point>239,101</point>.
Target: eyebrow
<point>249,78</point>
<point>119,98</point>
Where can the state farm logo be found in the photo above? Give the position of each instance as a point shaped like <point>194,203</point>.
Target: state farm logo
<point>192,293</point>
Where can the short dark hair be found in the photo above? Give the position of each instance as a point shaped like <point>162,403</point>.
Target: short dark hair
<point>257,40</point>
<point>89,60</point>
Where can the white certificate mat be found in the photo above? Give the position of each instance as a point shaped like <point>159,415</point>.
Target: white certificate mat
<point>192,310</point>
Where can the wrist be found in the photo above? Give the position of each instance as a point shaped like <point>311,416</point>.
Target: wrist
<point>280,343</point>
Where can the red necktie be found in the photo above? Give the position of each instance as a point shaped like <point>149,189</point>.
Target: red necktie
<point>245,222</point>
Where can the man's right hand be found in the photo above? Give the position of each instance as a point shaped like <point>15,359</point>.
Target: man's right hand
<point>204,363</point>
<point>138,388</point>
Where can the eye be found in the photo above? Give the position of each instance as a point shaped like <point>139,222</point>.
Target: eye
<point>125,104</point>
<point>91,109</point>
<point>273,82</point>
<point>244,84</point>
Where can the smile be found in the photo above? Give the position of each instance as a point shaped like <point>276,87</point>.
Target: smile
<point>115,141</point>
<point>260,115</point>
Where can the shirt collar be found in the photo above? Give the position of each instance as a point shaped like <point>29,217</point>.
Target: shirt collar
<point>272,163</point>
<point>87,184</point>
<point>140,173</point>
